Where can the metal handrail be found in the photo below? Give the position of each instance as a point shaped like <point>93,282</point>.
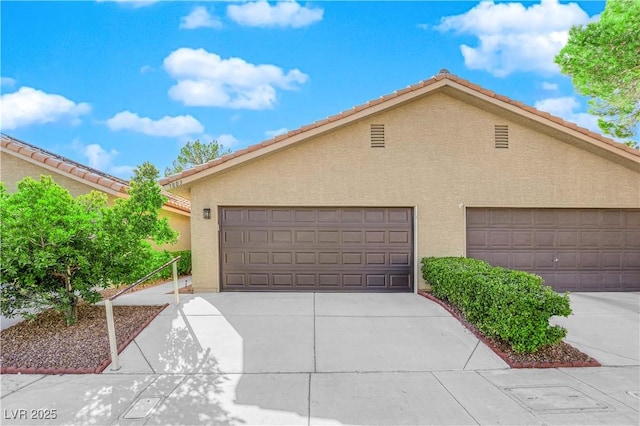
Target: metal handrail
<point>143,279</point>
<point>108,304</point>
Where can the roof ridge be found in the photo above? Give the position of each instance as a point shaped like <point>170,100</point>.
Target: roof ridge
<point>442,75</point>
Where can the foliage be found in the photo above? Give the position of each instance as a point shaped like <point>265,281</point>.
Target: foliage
<point>194,154</point>
<point>184,264</point>
<point>56,248</point>
<point>603,60</point>
<point>159,258</point>
<point>514,306</point>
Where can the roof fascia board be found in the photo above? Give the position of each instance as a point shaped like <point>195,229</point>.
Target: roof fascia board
<point>563,128</point>
<point>348,118</point>
<point>57,171</point>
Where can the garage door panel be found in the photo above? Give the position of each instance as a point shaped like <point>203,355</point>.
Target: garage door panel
<point>374,237</point>
<point>256,237</point>
<point>499,239</point>
<point>305,236</point>
<point>522,218</point>
<point>544,238</point>
<point>234,258</point>
<point>612,218</point>
<point>280,280</point>
<point>572,249</point>
<point>353,280</point>
<point>317,249</point>
<point>258,258</point>
<point>285,258</point>
<point>633,239</point>
<point>283,215</point>
<point>476,238</point>
<point>352,215</point>
<point>522,260</point>
<point>522,239</point>
<point>257,216</point>
<point>374,216</point>
<point>632,260</point>
<point>567,238</point>
<point>233,236</point>
<point>399,216</point>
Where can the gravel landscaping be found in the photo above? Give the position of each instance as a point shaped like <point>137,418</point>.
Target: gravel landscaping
<point>559,355</point>
<point>47,343</point>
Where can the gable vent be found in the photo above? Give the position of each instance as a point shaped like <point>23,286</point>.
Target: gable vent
<point>502,135</point>
<point>377,136</point>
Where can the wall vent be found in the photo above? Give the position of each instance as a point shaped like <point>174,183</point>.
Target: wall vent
<point>377,136</point>
<point>502,135</point>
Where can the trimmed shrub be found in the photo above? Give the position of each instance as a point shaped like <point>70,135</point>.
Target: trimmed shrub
<point>510,305</point>
<point>184,264</point>
<point>159,258</point>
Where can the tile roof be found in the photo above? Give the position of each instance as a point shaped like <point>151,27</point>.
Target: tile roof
<point>65,166</point>
<point>443,75</point>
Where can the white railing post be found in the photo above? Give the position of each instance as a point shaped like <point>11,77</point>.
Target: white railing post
<point>108,305</point>
<point>115,365</point>
<point>175,282</point>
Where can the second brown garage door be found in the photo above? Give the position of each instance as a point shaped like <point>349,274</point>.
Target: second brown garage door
<point>316,249</point>
<point>572,249</point>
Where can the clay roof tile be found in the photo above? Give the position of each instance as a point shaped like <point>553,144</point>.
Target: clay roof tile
<point>439,77</point>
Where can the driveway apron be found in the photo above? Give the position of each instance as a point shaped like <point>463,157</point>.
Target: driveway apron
<point>325,358</point>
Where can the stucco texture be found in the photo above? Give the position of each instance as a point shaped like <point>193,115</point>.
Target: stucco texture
<point>440,158</point>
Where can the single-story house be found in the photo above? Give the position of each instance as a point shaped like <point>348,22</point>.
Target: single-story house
<point>441,168</point>
<point>19,159</point>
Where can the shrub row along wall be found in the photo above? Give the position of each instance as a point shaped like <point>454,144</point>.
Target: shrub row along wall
<point>513,306</point>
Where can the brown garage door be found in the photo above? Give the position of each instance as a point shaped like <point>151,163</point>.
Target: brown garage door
<point>572,249</point>
<point>316,249</point>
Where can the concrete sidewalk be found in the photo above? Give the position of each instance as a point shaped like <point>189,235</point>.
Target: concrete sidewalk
<point>303,358</point>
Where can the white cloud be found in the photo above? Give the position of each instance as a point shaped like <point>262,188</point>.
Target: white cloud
<point>514,38</point>
<point>7,82</point>
<point>227,140</point>
<point>282,14</point>
<point>549,86</point>
<point>98,157</point>
<point>199,18</point>
<point>101,159</point>
<point>145,69</point>
<point>205,79</point>
<point>133,3</point>
<point>273,133</point>
<point>31,106</point>
<point>165,127</point>
<point>565,107</point>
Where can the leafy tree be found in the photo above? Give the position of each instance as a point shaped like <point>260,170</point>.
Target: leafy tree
<point>55,249</point>
<point>603,60</point>
<point>194,154</point>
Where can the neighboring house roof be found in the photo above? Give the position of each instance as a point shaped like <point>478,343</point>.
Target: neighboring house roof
<point>449,84</point>
<point>94,178</point>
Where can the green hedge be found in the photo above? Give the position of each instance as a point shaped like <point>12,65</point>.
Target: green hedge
<point>514,306</point>
<point>159,258</point>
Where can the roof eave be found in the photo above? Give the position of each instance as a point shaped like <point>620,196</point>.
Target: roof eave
<point>181,183</point>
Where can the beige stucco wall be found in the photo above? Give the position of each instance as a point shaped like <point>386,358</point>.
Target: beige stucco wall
<point>179,223</point>
<point>13,170</point>
<point>439,157</point>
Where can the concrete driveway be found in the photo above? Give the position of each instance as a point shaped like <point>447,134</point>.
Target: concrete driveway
<point>260,358</point>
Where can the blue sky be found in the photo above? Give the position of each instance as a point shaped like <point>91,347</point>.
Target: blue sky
<point>112,84</point>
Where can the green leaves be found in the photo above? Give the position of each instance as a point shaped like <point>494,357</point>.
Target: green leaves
<point>194,154</point>
<point>55,248</point>
<point>512,305</point>
<point>603,61</point>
